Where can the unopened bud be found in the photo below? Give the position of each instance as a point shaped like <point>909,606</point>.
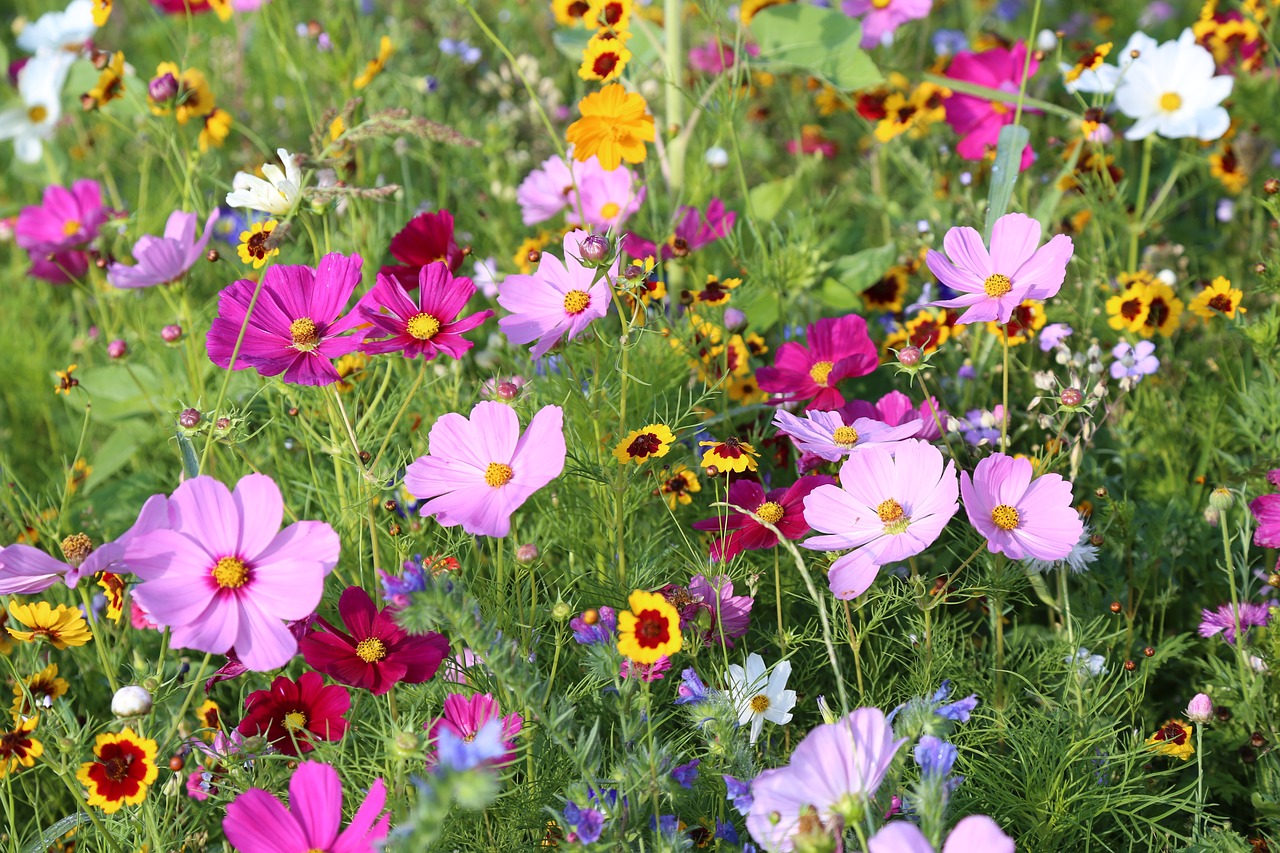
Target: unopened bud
<point>117,349</point>
<point>1221,499</point>
<point>526,554</point>
<point>1271,186</point>
<point>222,424</point>
<point>163,88</point>
<point>1071,397</point>
<point>1200,709</point>
<point>171,334</point>
<point>190,418</point>
<point>507,391</point>
<point>594,249</point>
<point>131,701</point>
<point>909,356</point>
<point>212,255</point>
<point>561,611</point>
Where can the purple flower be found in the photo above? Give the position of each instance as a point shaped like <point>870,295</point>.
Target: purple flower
<point>425,323</point>
<point>738,792</point>
<point>54,231</point>
<point>396,590</point>
<point>1266,509</point>
<point>896,409</point>
<point>1054,334</point>
<point>588,823</point>
<point>691,690</point>
<point>162,260</point>
<point>686,774</point>
<point>957,711</point>
<point>693,231</point>
<point>710,603</point>
<point>979,426</point>
<point>726,832</point>
<point>935,756</point>
<point>834,435</point>
<point>460,753</point>
<point>1134,362</point>
<point>601,631</point>
<point>1223,620</point>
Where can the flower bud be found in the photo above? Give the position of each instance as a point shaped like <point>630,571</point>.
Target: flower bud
<point>171,334</point>
<point>594,249</point>
<point>829,716</point>
<point>734,318</point>
<point>507,391</point>
<point>561,611</point>
<point>189,419</point>
<point>909,356</point>
<point>131,701</point>
<point>222,424</point>
<point>405,745</point>
<point>717,157</point>
<point>163,89</point>
<point>526,554</point>
<point>1046,40</point>
<point>117,348</point>
<point>1221,499</point>
<point>1071,397</point>
<point>1271,186</point>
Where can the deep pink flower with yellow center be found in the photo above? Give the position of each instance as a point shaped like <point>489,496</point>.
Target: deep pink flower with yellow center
<point>464,718</point>
<point>427,238</point>
<point>837,349</point>
<point>291,715</point>
<point>377,653</point>
<point>224,575</point>
<point>976,120</point>
<point>783,508</point>
<point>427,325</point>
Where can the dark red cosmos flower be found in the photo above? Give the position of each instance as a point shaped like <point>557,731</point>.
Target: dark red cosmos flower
<point>294,713</point>
<point>837,349</point>
<point>783,508</point>
<point>377,653</point>
<point>426,239</point>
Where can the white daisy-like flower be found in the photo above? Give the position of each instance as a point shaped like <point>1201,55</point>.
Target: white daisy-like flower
<point>760,695</point>
<point>66,30</point>
<point>1087,664</point>
<point>1103,79</point>
<point>32,122</point>
<point>1173,91</point>
<point>276,195</point>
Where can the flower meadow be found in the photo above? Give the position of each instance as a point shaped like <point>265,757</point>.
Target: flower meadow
<point>619,425</point>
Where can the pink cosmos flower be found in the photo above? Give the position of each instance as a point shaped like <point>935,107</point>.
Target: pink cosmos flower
<point>892,503</point>
<point>464,717</point>
<point>650,672</point>
<point>378,653</point>
<point>783,508</point>
<point>994,284</point>
<point>225,575</point>
<point>54,231</point>
<point>164,259</point>
<point>973,834</point>
<point>296,325</point>
<point>558,301</point>
<point>838,349</point>
<point>692,232</point>
<point>896,409</point>
<point>711,57</point>
<point>427,238</point>
<point>427,325</point>
<point>836,765</point>
<point>256,822</point>
<point>608,198</point>
<point>480,470</point>
<point>1020,517</point>
<point>976,120</point>
<point>547,190</point>
<point>884,16</point>
<point>1266,509</point>
<point>827,434</point>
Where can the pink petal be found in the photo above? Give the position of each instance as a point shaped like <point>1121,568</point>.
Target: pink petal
<point>365,826</point>
<point>261,509</point>
<point>852,575</point>
<point>263,642</point>
<point>977,834</point>
<point>1014,239</point>
<point>900,836</point>
<point>1047,268</point>
<point>315,799</point>
<point>965,249</point>
<point>203,508</point>
<point>256,822</point>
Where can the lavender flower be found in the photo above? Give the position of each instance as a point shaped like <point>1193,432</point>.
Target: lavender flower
<point>601,630</point>
<point>686,774</point>
<point>1223,620</point>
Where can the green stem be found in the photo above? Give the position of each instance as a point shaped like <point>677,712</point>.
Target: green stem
<point>1241,655</point>
<point>107,669</point>
<point>673,14</point>
<point>1004,414</point>
<point>988,94</point>
<point>1199,776</point>
<point>1140,206</point>
<point>1026,65</point>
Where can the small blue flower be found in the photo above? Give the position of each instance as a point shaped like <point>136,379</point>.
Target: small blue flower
<point>935,756</point>
<point>726,832</point>
<point>691,690</point>
<point>686,774</point>
<point>457,754</point>
<point>739,793</point>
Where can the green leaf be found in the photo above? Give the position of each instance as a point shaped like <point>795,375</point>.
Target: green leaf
<point>1004,174</point>
<point>114,453</point>
<point>854,273</point>
<point>767,199</point>
<point>761,305</point>
<point>822,42</point>
<point>115,393</point>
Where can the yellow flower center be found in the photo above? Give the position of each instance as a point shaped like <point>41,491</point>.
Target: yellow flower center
<point>770,512</point>
<point>76,548</point>
<point>889,511</point>
<point>1005,517</point>
<point>821,371</point>
<point>997,285</point>
<point>37,114</point>
<point>845,436</point>
<point>371,650</point>
<point>306,336</point>
<point>576,301</point>
<point>230,573</point>
<point>880,4</point>
<point>497,474</point>
<point>609,211</point>
<point>295,720</point>
<point>70,227</point>
<point>760,704</point>
<point>423,327</point>
<point>1170,102</point>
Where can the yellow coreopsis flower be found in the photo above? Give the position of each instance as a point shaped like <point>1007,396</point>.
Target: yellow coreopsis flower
<point>18,748</point>
<point>217,125</point>
<point>650,629</point>
<point>110,84</point>
<point>615,126</point>
<point>1219,298</point>
<point>375,66</point>
<point>123,768</point>
<point>61,626</point>
<point>651,442</point>
<point>38,692</point>
<point>194,98</point>
<point>732,454</point>
<point>1173,738</point>
<point>101,12</point>
<point>255,244</point>
<point>605,57</point>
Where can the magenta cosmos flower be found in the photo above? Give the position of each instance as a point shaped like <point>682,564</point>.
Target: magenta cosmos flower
<point>427,325</point>
<point>378,653</point>
<point>896,409</point>
<point>464,718</point>
<point>783,508</point>
<point>1266,509</point>
<point>977,120</point>
<point>427,238</point>
<point>829,435</point>
<point>297,325</point>
<point>256,822</point>
<point>1020,517</point>
<point>994,284</point>
<point>692,232</point>
<point>833,774</point>
<point>838,349</point>
<point>480,470</point>
<point>884,16</point>
<point>892,503</point>
<point>225,575</point>
<point>55,231</point>
<point>558,301</point>
<point>161,260</point>
<point>975,834</point>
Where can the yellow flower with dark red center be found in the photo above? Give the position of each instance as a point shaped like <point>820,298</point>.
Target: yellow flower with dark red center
<point>80,471</point>
<point>1127,310</point>
<point>715,291</point>
<point>609,14</point>
<point>1173,738</point>
<point>61,626</point>
<point>1219,298</point>
<point>526,257</point>
<point>1088,61</point>
<point>745,390</point>
<point>124,766</point>
<point>66,381</point>
<point>101,12</point>
<point>350,371</point>
<point>1026,319</point>
<point>375,66</point>
<point>217,126</point>
<point>18,748</point>
<point>732,454</point>
<point>1228,169</point>
<point>678,485</point>
<point>1164,310</point>
<point>194,98</point>
<point>605,56</point>
<point>651,442</point>
<point>113,590</point>
<point>928,330</point>
<point>110,84</point>
<point>255,244</point>
<point>650,629</point>
<point>37,692</point>
<point>755,344</point>
<point>570,13</point>
<point>886,294</point>
<point>615,126</point>
<point>210,718</point>
<point>750,8</point>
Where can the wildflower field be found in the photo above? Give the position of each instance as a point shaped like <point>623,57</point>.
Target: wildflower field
<point>830,425</point>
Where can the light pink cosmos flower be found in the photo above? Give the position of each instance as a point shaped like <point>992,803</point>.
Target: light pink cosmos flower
<point>1020,517</point>
<point>480,470</point>
<point>224,575</point>
<point>608,198</point>
<point>994,284</point>
<point>465,716</point>
<point>884,16</point>
<point>975,834</point>
<point>896,409</point>
<point>161,260</point>
<point>296,325</point>
<point>425,326</point>
<point>835,769</point>
<point>256,822</point>
<point>558,301</point>
<point>828,435</point>
<point>892,503</point>
<point>546,190</point>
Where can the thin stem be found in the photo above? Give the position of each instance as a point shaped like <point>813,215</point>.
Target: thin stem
<point>1140,206</point>
<point>1026,65</point>
<point>1241,654</point>
<point>777,592</point>
<point>1004,413</point>
<point>1199,776</point>
<point>672,17</point>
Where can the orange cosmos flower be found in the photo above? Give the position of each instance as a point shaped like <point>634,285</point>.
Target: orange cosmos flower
<point>615,125</point>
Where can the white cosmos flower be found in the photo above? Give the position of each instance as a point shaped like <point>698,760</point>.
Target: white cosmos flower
<point>759,695</point>
<point>1172,91</point>
<point>31,122</point>
<point>1103,79</point>
<point>277,194</point>
<point>67,30</point>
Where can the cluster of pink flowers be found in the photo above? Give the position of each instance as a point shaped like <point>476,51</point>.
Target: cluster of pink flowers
<point>56,233</point>
<point>587,193</point>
